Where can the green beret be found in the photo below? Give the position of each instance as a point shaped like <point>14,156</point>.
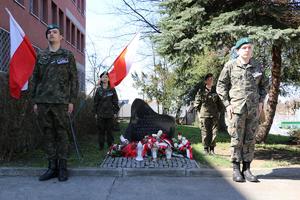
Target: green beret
<point>242,41</point>
<point>52,26</point>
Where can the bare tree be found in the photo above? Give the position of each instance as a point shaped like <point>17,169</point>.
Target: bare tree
<point>141,14</point>
<point>97,65</point>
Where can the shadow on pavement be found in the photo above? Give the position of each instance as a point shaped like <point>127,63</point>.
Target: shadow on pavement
<point>282,173</point>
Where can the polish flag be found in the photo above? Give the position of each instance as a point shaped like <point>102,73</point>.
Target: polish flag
<point>123,62</point>
<point>22,59</point>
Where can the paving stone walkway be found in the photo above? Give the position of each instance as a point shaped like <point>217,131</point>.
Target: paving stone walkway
<point>123,162</point>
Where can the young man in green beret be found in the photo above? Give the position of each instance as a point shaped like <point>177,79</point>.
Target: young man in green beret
<point>242,88</point>
<point>54,91</point>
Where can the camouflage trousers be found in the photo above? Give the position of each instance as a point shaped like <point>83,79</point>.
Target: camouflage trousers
<point>209,128</point>
<point>105,127</point>
<point>242,128</point>
<point>53,120</point>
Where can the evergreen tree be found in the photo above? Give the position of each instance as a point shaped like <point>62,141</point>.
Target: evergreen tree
<point>189,27</point>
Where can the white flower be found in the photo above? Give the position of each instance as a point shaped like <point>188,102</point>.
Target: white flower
<point>184,141</point>
<point>123,140</point>
<point>179,137</point>
<point>159,133</point>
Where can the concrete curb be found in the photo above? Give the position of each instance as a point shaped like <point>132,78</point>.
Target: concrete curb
<point>154,172</point>
<point>291,173</point>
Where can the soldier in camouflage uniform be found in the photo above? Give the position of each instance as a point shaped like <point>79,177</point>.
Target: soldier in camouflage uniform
<point>242,89</point>
<point>54,90</point>
<point>106,108</point>
<point>208,106</point>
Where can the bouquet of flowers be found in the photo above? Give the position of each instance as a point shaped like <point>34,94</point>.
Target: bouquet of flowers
<point>157,142</point>
<point>125,149</point>
<point>155,145</point>
<point>183,146</point>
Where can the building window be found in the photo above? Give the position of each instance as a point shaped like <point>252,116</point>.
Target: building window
<point>34,7</point>
<point>22,2</point>
<point>78,5</point>
<point>82,7</point>
<point>78,40</point>
<point>73,34</point>
<point>82,43</point>
<point>68,27</point>
<point>54,13</point>
<point>44,10</point>
<point>81,77</point>
<point>4,50</point>
<point>61,20</point>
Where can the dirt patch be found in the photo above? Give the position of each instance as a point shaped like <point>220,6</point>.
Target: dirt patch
<point>279,155</point>
<point>264,157</point>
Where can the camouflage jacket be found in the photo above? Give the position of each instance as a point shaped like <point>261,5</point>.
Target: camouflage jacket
<point>241,85</point>
<point>54,79</point>
<point>208,103</point>
<point>106,102</point>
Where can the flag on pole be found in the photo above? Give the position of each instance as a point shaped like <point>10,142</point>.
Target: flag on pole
<point>22,58</point>
<point>122,64</point>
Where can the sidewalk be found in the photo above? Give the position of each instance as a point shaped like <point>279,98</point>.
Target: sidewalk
<point>288,173</point>
<point>174,179</point>
<point>147,188</point>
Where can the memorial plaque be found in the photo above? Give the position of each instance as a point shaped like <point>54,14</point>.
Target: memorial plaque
<point>144,121</point>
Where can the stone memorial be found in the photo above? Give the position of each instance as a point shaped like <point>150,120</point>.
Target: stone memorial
<point>144,121</point>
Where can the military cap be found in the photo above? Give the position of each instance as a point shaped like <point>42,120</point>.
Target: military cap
<point>242,41</point>
<point>52,26</point>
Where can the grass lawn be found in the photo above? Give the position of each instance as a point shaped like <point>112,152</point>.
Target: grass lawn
<point>277,152</point>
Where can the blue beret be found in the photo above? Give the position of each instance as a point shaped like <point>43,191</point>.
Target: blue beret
<point>242,41</point>
<point>52,26</point>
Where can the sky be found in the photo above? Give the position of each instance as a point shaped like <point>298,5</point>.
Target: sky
<point>103,26</point>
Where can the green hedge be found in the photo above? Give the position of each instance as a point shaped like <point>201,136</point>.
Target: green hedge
<point>85,122</point>
<point>19,131</point>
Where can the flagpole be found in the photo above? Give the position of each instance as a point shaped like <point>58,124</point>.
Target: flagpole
<point>121,52</point>
<point>110,66</point>
<point>7,11</point>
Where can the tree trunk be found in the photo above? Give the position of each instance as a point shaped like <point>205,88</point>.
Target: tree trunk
<point>265,127</point>
<point>157,106</point>
<point>178,112</point>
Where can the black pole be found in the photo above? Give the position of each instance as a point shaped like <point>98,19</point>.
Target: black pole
<point>74,138</point>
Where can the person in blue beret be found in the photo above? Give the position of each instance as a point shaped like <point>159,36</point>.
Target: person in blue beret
<point>242,87</point>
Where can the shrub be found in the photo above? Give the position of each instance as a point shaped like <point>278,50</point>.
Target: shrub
<point>295,134</point>
<point>18,127</point>
<point>85,122</point>
<point>19,131</point>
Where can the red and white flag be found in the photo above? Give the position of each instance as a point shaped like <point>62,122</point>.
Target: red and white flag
<point>22,59</point>
<point>123,62</point>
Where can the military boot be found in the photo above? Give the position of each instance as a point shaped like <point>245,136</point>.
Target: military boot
<point>206,152</point>
<point>51,172</point>
<point>236,174</point>
<point>62,170</point>
<point>247,173</point>
<point>212,151</point>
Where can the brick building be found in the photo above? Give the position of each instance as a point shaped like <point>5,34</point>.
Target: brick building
<point>34,16</point>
